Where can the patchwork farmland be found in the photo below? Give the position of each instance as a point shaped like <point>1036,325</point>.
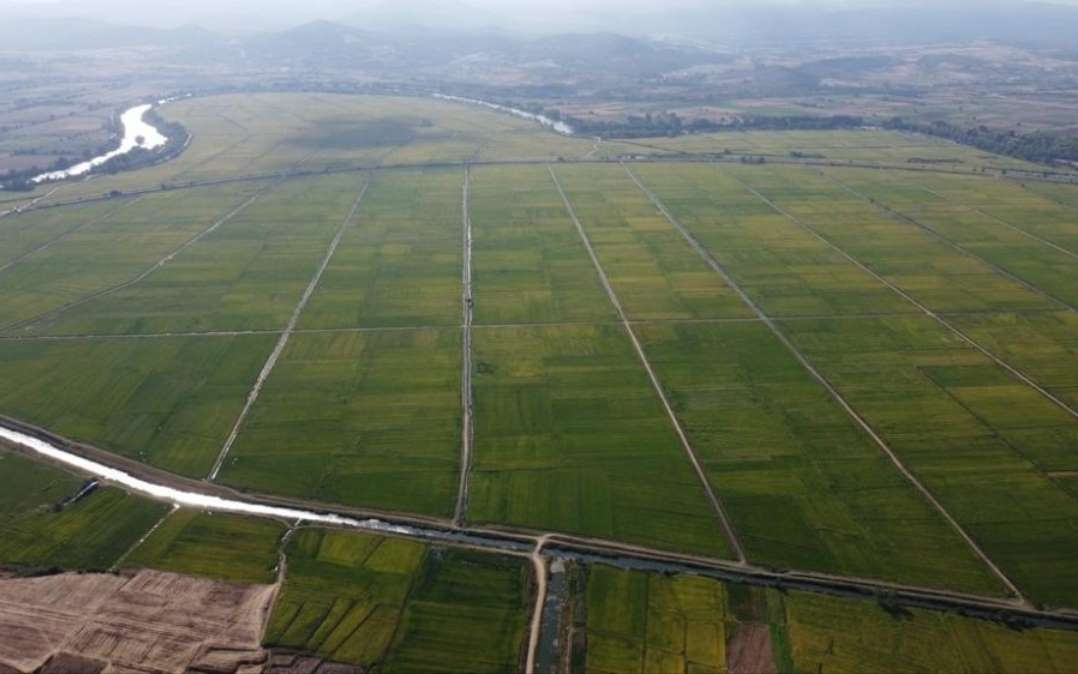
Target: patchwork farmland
<point>861,379</point>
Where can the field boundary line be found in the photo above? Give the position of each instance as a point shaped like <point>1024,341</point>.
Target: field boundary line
<point>118,564</point>
<point>74,230</point>
<point>887,210</point>
<point>282,341</point>
<point>713,262</point>
<point>673,158</point>
<point>716,503</point>
<point>467,433</point>
<point>494,326</point>
<point>104,292</point>
<point>958,332</point>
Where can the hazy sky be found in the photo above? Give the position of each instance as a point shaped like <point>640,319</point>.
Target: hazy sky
<point>259,14</point>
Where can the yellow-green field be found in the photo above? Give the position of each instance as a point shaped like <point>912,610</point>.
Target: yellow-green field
<point>869,373</point>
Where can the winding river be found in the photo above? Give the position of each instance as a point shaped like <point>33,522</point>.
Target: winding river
<point>137,133</point>
<point>553,124</point>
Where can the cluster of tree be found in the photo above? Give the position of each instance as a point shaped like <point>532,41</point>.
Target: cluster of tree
<point>671,124</point>
<point>1038,146</point>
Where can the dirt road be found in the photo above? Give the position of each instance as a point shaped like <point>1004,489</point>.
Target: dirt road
<point>467,403</point>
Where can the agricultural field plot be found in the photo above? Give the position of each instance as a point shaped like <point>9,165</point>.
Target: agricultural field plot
<point>109,252</point>
<point>805,487</point>
<point>248,274</point>
<point>1053,271</point>
<point>397,605</point>
<point>571,437</point>
<point>907,150</point>
<point>45,523</point>
<point>1044,346</point>
<point>830,634</point>
<point>529,265</point>
<point>653,271</point>
<point>1064,195</point>
<point>400,263</point>
<point>169,402</point>
<point>22,235</point>
<point>785,270</point>
<point>979,439</point>
<point>929,270</point>
<point>359,418</point>
<point>1011,204</point>
<point>648,622</point>
<point>225,547</point>
<point>644,622</point>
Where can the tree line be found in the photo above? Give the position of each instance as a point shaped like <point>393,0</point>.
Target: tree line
<point>1038,146</point>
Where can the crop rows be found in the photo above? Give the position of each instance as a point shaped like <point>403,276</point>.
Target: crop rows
<point>916,304</point>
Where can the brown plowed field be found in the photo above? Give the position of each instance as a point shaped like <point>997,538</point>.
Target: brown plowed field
<point>147,622</point>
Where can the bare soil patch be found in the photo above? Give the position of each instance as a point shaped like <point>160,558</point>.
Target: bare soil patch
<point>147,622</point>
<point>749,650</point>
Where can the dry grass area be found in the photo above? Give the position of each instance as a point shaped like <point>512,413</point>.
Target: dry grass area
<point>150,622</point>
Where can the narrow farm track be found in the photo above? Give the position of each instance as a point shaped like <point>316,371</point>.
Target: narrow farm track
<point>536,628</point>
<point>957,332</point>
<point>713,262</point>
<point>123,558</point>
<point>467,403</point>
<point>53,313</point>
<point>716,504</point>
<point>497,326</point>
<point>151,483</point>
<point>887,210</point>
<point>282,341</point>
<point>60,237</point>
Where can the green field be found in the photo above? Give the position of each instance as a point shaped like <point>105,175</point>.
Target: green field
<point>570,436</point>
<point>828,634</point>
<point>22,236</point>
<point>361,418</point>
<point>993,234</point>
<point>652,270</point>
<point>111,251</point>
<point>929,270</point>
<point>400,606</point>
<point>787,271</point>
<point>227,547</point>
<point>167,401</point>
<point>140,325</point>
<point>400,264</point>
<point>529,265</point>
<point>643,622</point>
<point>246,275</point>
<point>650,622</point>
<point>38,531</point>
<point>979,439</point>
<point>805,487</point>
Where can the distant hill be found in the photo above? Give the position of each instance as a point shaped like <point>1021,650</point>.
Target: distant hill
<point>37,34</point>
<point>330,44</point>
